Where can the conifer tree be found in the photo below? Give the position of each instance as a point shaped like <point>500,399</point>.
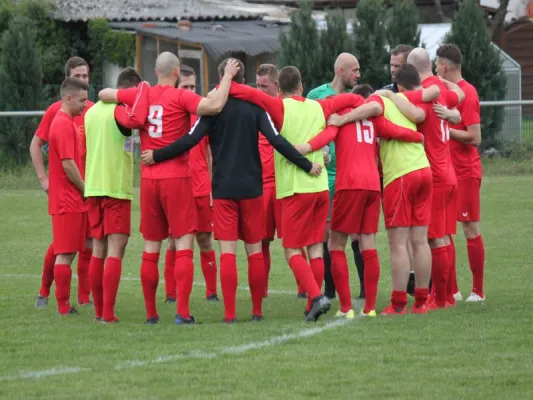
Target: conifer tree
<point>403,24</point>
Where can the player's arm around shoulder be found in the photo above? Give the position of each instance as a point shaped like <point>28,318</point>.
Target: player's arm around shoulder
<point>372,108</point>
<point>215,104</point>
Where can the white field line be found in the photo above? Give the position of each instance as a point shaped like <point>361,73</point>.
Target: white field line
<point>194,354</point>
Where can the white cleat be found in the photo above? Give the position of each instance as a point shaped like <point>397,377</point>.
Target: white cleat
<point>474,298</point>
<point>458,296</point>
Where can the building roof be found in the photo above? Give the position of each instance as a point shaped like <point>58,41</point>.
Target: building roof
<point>153,10</point>
<point>218,39</point>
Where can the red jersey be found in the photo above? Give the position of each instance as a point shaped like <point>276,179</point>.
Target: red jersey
<point>64,144</point>
<point>465,157</point>
<point>356,149</point>
<point>266,151</point>
<point>169,118</point>
<point>43,130</point>
<point>437,133</point>
<point>201,181</point>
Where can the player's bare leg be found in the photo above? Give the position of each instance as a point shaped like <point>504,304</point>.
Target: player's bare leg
<point>476,259</point>
<point>208,263</point>
<point>398,238</point>
<point>96,275</point>
<point>170,262</point>
<point>256,278</point>
<point>229,279</point>
<point>440,270</point>
<point>150,278</point>
<point>367,243</point>
<point>84,284</point>
<point>184,277</point>
<point>63,279</point>
<point>422,265</point>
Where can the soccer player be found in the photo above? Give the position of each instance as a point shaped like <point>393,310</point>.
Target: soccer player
<point>406,199</point>
<point>347,73</point>
<point>237,187</point>
<point>200,167</point>
<point>304,199</point>
<point>109,189</point>
<point>356,203</point>
<point>465,137</point>
<point>166,185</point>
<point>76,67</point>
<point>66,187</point>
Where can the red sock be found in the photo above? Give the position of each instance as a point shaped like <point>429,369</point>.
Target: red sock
<point>451,288</point>
<point>170,283</point>
<point>439,274</point>
<point>266,257</point>
<point>112,271</point>
<point>476,258</point>
<point>96,277</point>
<point>63,278</point>
<point>228,283</point>
<point>421,296</point>
<point>398,299</point>
<point>256,281</point>
<point>84,284</point>
<point>209,268</point>
<point>301,288</point>
<point>150,281</point>
<point>48,271</point>
<point>371,278</point>
<point>341,278</point>
<point>303,274</point>
<point>184,277</point>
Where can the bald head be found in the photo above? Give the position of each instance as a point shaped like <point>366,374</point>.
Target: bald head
<point>420,59</point>
<point>166,64</point>
<point>347,70</point>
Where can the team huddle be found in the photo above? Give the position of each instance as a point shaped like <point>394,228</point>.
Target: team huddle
<point>251,164</point>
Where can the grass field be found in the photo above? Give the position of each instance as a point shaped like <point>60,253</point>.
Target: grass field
<point>476,351</point>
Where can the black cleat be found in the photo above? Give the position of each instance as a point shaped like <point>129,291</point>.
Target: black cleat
<point>302,295</point>
<point>152,321</point>
<point>212,297</point>
<point>170,300</point>
<point>257,318</point>
<point>185,321</point>
<point>232,321</point>
<point>41,303</point>
<point>411,284</point>
<point>320,305</point>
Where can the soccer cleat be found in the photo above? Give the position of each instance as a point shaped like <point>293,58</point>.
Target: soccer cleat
<point>115,320</point>
<point>82,303</point>
<point>458,296</point>
<point>390,310</point>
<point>152,321</point>
<point>212,297</point>
<point>432,305</point>
<point>371,313</point>
<point>185,321</point>
<point>71,311</point>
<point>229,321</point>
<point>350,314</point>
<point>474,298</point>
<point>97,319</point>
<point>320,305</point>
<point>302,295</point>
<point>257,318</point>
<point>41,303</point>
<point>170,300</point>
<point>419,309</point>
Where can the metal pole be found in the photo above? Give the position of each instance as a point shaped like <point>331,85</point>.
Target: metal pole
<point>21,113</point>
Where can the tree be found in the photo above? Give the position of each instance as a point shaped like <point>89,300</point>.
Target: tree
<point>403,24</point>
<point>333,41</point>
<point>370,41</point>
<point>438,10</point>
<point>498,20</point>
<point>481,66</point>
<point>300,45</point>
<point>20,86</point>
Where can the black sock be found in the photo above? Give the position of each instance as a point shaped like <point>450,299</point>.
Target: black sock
<point>360,264</point>
<point>411,284</point>
<point>329,285</point>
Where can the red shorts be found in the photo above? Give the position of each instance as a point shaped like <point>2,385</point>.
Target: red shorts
<point>167,207</point>
<point>407,200</point>
<point>108,216</point>
<point>272,213</point>
<point>239,219</point>
<point>304,217</point>
<point>356,211</point>
<point>69,232</point>
<point>468,200</point>
<point>443,212</point>
<point>204,213</point>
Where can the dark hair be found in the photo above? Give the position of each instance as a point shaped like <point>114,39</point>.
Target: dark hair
<point>128,78</point>
<point>74,62</point>
<point>72,85</point>
<point>270,70</point>
<point>404,49</point>
<point>364,90</point>
<point>185,70</point>
<point>450,52</point>
<point>407,76</point>
<point>239,78</point>
<point>289,79</point>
